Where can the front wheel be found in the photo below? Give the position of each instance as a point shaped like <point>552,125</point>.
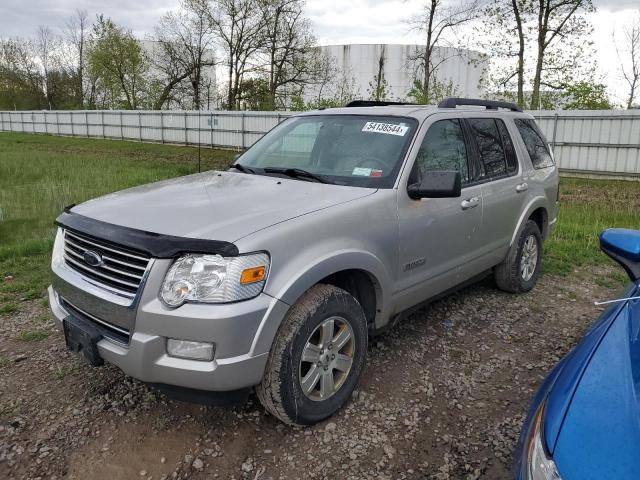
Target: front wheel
<point>317,357</point>
<point>519,272</point>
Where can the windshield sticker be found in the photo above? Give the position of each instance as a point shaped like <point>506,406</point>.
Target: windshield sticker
<point>388,128</point>
<point>361,172</point>
<point>375,173</point>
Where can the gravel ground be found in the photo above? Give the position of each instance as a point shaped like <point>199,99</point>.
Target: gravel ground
<point>443,397</point>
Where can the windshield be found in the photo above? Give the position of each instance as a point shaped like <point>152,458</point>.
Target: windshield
<point>355,150</point>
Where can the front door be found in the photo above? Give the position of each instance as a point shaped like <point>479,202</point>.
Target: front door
<point>437,235</point>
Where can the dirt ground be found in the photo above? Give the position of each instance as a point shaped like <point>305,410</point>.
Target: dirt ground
<point>443,396</point>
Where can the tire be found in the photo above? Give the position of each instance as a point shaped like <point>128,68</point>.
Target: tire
<point>281,390</point>
<point>510,275</point>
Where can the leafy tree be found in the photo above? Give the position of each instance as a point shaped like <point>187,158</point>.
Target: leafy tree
<point>438,92</point>
<point>118,63</point>
<point>555,33</point>
<point>587,96</point>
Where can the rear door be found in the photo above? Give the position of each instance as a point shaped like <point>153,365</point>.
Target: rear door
<point>504,185</point>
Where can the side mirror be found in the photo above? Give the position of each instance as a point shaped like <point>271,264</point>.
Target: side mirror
<point>623,245</point>
<point>437,185</point>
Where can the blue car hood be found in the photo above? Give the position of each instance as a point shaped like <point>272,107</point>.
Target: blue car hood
<point>594,433</point>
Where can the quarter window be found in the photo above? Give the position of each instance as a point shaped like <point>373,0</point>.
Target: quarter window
<point>535,143</point>
<point>443,150</point>
<point>509,150</point>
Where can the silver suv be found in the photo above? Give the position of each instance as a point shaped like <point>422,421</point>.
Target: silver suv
<point>274,274</point>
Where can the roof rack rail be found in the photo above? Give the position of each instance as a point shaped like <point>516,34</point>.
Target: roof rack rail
<point>374,103</point>
<point>453,102</point>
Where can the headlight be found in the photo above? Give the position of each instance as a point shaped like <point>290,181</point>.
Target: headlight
<point>214,279</point>
<point>539,465</point>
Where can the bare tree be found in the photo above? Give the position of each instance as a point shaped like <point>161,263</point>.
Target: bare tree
<point>238,24</point>
<point>186,45</point>
<point>76,32</point>
<point>629,57</point>
<point>288,46</point>
<point>45,45</point>
<point>436,21</point>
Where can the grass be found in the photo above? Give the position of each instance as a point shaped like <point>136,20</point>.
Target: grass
<point>587,207</point>
<point>40,175</point>
<point>33,335</point>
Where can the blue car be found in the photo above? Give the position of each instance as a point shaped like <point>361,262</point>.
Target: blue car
<point>584,422</point>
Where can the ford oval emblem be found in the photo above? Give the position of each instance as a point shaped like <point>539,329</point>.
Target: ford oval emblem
<point>92,258</point>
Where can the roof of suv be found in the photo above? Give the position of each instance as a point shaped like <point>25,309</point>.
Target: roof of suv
<point>420,112</point>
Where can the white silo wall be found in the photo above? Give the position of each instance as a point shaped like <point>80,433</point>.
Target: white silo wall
<point>360,63</point>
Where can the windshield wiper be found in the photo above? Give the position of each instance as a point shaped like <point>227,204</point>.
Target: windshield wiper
<point>242,168</point>
<point>296,173</point>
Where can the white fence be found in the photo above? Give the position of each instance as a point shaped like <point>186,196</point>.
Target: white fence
<point>599,142</point>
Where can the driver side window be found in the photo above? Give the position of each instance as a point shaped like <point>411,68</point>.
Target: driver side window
<point>443,149</point>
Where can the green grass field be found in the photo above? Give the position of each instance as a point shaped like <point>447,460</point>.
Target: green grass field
<point>40,175</point>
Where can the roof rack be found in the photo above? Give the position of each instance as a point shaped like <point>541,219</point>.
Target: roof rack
<point>374,103</point>
<point>453,102</point>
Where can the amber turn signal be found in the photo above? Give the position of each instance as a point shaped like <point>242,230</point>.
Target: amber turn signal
<point>252,275</point>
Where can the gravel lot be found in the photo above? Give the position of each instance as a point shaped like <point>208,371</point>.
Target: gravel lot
<point>443,397</point>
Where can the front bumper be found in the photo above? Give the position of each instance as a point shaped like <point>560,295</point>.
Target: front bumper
<point>240,331</point>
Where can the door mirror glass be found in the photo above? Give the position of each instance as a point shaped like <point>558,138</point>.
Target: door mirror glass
<point>623,246</point>
<point>437,185</point>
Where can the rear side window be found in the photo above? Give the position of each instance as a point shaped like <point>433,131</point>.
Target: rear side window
<point>497,154</point>
<point>509,150</point>
<point>443,150</point>
<point>535,143</point>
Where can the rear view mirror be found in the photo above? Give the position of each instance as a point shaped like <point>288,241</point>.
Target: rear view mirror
<point>437,185</point>
<point>623,245</point>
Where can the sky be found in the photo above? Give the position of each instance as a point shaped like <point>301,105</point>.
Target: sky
<point>335,22</point>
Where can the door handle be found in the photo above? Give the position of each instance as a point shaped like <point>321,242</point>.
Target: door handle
<point>523,187</point>
<point>470,203</point>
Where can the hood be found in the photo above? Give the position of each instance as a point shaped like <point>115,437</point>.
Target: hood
<point>216,205</point>
<point>600,433</point>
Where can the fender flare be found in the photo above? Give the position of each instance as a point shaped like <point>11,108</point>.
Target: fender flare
<point>304,279</point>
<point>533,205</point>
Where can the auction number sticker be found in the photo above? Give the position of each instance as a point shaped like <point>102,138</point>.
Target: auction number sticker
<point>388,128</point>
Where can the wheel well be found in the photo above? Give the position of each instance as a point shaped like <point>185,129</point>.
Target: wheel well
<point>540,217</point>
<point>361,285</point>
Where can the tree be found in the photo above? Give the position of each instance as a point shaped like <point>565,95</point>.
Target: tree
<point>238,25</point>
<point>558,20</point>
<point>20,76</point>
<point>438,92</point>
<point>435,23</point>
<point>629,56</point>
<point>288,47</point>
<point>186,49</point>
<point>76,32</point>
<point>587,95</point>
<point>117,61</point>
<point>553,32</point>
<point>378,87</point>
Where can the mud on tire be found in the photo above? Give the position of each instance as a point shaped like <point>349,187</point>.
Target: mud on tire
<point>280,391</point>
<point>508,275</point>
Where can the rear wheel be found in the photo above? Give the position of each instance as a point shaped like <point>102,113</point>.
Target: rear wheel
<point>317,357</point>
<point>519,272</point>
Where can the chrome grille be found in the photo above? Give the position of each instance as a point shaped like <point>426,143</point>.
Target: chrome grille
<point>121,270</point>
